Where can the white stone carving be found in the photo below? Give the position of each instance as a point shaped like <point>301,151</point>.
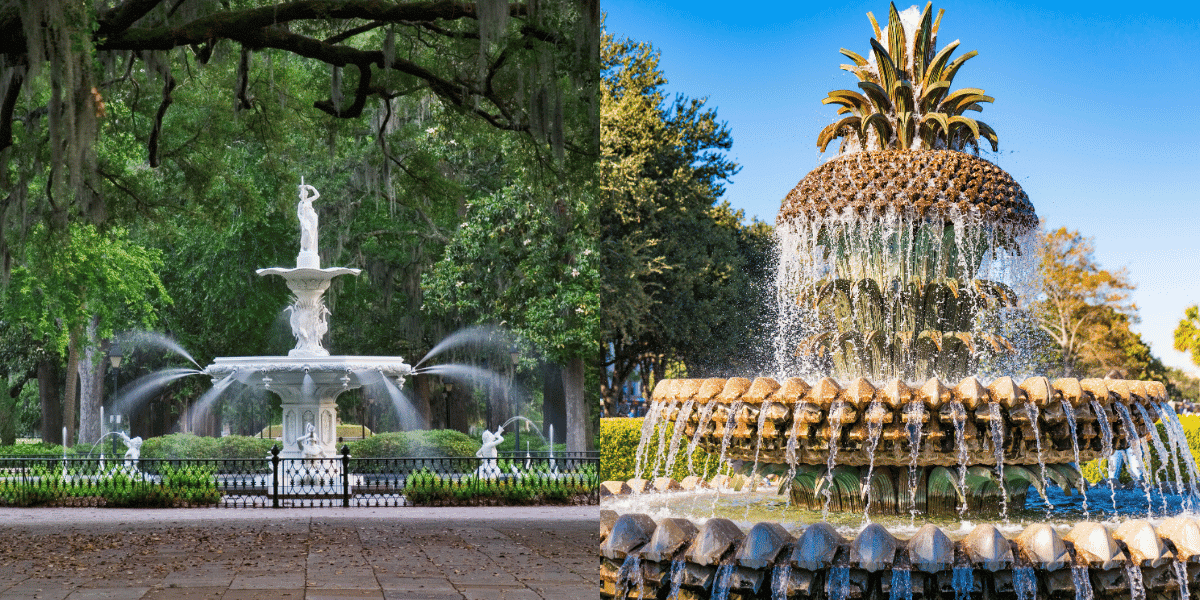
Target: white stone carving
<point>487,467</point>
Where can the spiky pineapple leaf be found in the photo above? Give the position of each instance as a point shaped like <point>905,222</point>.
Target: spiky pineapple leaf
<point>970,102</point>
<point>902,96</point>
<point>896,38</point>
<point>933,95</point>
<point>967,122</point>
<point>875,25</point>
<point>858,100</point>
<point>1072,475</point>
<point>904,130</point>
<point>1017,477</point>
<point>1059,479</point>
<point>858,59</point>
<point>933,119</point>
<point>943,482</point>
<point>937,22</point>
<point>883,128</point>
<point>885,65</point>
<point>953,67</point>
<point>966,340</point>
<point>921,41</point>
<point>934,71</point>
<point>956,97</point>
<point>883,103</point>
<point>989,134</point>
<point>836,130</point>
<point>862,73</point>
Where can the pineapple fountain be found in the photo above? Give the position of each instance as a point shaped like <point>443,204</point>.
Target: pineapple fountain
<point>901,267</point>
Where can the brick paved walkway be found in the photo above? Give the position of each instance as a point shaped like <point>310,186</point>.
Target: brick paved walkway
<point>294,554</point>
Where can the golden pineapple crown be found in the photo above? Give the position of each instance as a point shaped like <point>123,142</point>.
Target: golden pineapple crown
<point>905,102</point>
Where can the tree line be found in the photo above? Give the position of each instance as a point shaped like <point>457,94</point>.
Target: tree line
<point>149,153</point>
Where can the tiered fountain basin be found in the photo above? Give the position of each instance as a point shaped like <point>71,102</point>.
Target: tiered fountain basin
<point>309,387</point>
<point>679,559</point>
<point>1044,428</point>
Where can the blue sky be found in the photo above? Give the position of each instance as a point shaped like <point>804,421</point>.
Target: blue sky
<point>1097,110</point>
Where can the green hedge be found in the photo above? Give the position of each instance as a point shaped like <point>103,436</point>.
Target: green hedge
<point>618,444</point>
<point>189,445</point>
<point>428,488</point>
<point>42,449</point>
<point>121,488</point>
<point>415,444</point>
<point>1096,470</point>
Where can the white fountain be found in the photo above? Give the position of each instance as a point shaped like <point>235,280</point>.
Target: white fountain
<point>308,379</point>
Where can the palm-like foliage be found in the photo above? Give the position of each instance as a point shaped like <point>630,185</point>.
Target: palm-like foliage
<point>905,100</point>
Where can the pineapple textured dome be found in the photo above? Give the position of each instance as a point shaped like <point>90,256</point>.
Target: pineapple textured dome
<point>912,183</point>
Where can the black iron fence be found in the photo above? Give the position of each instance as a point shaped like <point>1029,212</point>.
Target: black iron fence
<point>509,479</point>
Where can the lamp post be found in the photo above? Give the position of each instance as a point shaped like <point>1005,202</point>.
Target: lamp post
<point>114,359</point>
<point>514,356</point>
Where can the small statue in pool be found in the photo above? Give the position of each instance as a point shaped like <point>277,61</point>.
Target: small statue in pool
<point>487,467</point>
<point>134,451</point>
<point>309,445</point>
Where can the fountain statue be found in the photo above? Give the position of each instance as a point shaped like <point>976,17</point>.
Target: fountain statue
<point>309,379</point>
<point>133,450</point>
<point>903,262</point>
<point>487,467</point>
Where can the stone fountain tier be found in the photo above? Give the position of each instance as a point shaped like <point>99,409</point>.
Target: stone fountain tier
<point>309,387</point>
<point>755,420</point>
<point>772,561</point>
<point>309,317</point>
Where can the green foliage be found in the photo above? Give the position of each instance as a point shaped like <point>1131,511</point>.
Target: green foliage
<point>1187,333</point>
<point>426,487</point>
<point>38,449</point>
<point>188,445</point>
<point>64,281</point>
<point>1097,470</point>
<point>618,445</point>
<point>678,268</point>
<point>118,488</point>
<point>527,266</point>
<point>39,487</point>
<point>415,444</point>
<point>183,486</point>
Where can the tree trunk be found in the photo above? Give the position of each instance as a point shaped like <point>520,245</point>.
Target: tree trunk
<point>8,417</point>
<point>421,393</point>
<point>91,389</point>
<point>577,410</point>
<point>458,418</point>
<point>70,398</point>
<point>50,395</point>
<point>554,407</point>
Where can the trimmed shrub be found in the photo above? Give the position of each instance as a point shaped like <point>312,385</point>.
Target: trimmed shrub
<point>240,446</point>
<point>188,445</point>
<point>618,442</point>
<point>415,444</point>
<point>41,449</point>
<point>430,488</point>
